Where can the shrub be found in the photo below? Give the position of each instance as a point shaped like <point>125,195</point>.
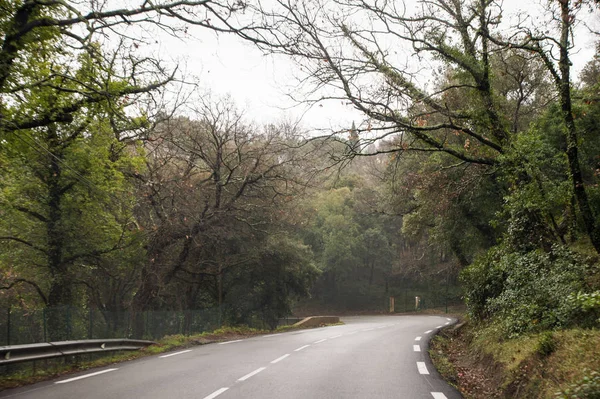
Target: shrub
<point>529,292</point>
<point>546,343</point>
<point>482,280</point>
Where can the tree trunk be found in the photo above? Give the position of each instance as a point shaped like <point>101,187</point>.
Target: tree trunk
<point>571,132</point>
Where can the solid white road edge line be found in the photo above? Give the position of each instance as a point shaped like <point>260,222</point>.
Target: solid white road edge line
<point>422,368</point>
<point>300,348</point>
<point>280,358</point>
<point>418,339</point>
<point>230,342</point>
<point>438,395</point>
<point>175,354</point>
<point>216,393</point>
<point>428,331</point>
<point>244,378</point>
<point>319,341</point>
<point>416,348</point>
<point>85,376</point>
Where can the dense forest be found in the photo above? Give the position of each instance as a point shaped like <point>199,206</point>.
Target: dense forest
<point>119,193</point>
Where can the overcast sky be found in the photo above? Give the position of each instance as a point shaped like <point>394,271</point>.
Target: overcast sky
<point>259,84</point>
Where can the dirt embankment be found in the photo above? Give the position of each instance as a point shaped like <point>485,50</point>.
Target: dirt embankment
<point>483,364</point>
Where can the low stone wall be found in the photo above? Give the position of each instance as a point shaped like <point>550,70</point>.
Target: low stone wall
<point>315,321</point>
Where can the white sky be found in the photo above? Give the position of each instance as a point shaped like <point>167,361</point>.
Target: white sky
<point>226,65</point>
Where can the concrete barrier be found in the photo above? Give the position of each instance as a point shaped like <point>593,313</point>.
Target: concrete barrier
<point>315,321</point>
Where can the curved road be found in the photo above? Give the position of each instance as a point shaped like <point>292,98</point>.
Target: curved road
<point>368,357</point>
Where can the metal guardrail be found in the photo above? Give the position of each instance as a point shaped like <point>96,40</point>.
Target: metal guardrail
<point>29,352</point>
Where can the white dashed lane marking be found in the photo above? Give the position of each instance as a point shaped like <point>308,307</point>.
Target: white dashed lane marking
<point>335,336</point>
<point>439,326</point>
<point>85,376</point>
<point>216,393</point>
<point>418,339</point>
<point>422,368</point>
<point>230,342</point>
<point>321,340</point>
<point>438,395</point>
<point>428,331</point>
<point>175,354</point>
<point>280,358</point>
<point>244,378</point>
<point>416,348</point>
<point>300,348</point>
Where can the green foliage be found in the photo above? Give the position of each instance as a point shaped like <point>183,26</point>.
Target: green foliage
<point>587,388</point>
<point>353,243</point>
<point>282,272</point>
<point>482,280</point>
<point>527,292</point>
<point>546,343</point>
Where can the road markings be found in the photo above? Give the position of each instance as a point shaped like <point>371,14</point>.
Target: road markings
<point>85,376</point>
<point>353,332</point>
<point>321,340</point>
<point>270,335</point>
<point>418,339</point>
<point>428,331</point>
<point>416,348</point>
<point>438,395</point>
<point>449,319</point>
<point>446,323</point>
<point>175,354</point>
<point>300,348</point>
<point>280,358</point>
<point>369,329</point>
<point>244,378</point>
<point>230,342</point>
<point>439,326</point>
<point>422,368</point>
<point>216,393</point>
<point>335,336</point>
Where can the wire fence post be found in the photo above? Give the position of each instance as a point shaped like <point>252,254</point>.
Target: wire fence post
<point>8,325</point>
<point>68,322</point>
<point>91,327</point>
<point>45,326</point>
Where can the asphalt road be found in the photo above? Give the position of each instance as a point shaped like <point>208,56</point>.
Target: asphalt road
<point>368,357</point>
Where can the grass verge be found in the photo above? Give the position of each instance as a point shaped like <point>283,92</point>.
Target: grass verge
<point>481,363</point>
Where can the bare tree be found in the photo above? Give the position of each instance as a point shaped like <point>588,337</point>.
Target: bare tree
<point>207,180</point>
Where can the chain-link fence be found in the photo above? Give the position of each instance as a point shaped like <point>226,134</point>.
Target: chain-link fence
<point>18,326</point>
